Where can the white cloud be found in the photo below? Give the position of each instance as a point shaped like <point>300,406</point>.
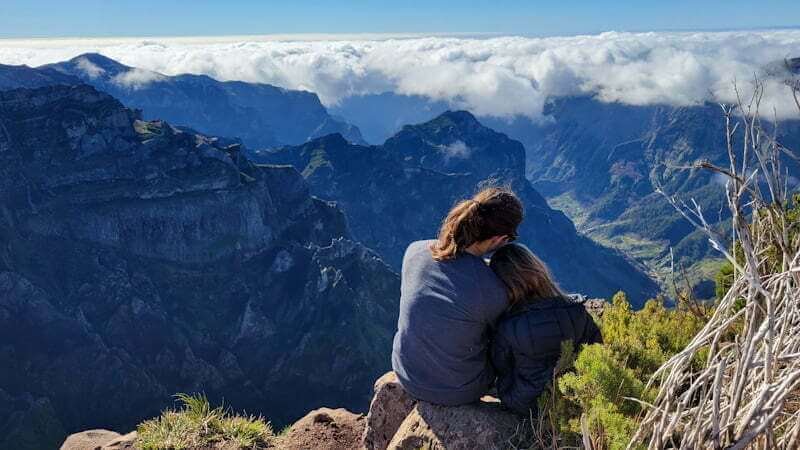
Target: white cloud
<point>456,150</point>
<point>136,78</point>
<point>91,69</point>
<point>499,76</point>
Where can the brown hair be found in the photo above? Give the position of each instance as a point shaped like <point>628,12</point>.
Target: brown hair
<point>491,212</point>
<point>526,277</point>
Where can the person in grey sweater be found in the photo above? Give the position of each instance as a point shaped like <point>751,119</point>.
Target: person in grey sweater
<point>449,300</point>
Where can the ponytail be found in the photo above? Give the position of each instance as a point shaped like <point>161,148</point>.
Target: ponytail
<point>491,212</point>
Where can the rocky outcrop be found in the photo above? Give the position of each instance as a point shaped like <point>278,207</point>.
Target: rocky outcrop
<point>261,115</point>
<point>138,260</point>
<point>398,422</point>
<point>398,192</point>
<point>389,407</point>
<point>483,425</point>
<point>89,440</point>
<point>324,429</point>
<point>100,440</point>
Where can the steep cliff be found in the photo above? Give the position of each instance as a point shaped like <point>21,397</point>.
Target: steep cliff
<point>137,260</point>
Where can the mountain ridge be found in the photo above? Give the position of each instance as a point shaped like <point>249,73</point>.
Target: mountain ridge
<point>398,192</point>
<point>262,115</point>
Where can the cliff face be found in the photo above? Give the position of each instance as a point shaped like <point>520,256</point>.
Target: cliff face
<point>137,261</point>
<point>261,115</point>
<point>399,192</point>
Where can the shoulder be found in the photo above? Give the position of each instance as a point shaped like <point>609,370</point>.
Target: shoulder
<point>547,315</point>
<point>418,249</point>
<point>416,246</point>
<point>490,285</point>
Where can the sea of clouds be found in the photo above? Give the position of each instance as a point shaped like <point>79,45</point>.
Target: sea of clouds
<point>494,76</point>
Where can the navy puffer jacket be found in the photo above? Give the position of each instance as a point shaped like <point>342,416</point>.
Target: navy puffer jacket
<point>527,345</point>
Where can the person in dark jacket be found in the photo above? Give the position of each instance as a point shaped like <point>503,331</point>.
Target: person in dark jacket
<point>526,344</point>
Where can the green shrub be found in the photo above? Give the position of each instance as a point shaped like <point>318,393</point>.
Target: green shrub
<point>606,382</point>
<point>197,424</point>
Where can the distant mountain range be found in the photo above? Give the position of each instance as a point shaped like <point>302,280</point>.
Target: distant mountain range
<point>138,260</point>
<point>596,161</point>
<point>260,115</point>
<point>599,162</point>
<point>399,192</point>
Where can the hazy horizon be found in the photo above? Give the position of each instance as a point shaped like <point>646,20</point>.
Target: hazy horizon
<point>301,35</point>
<point>490,75</point>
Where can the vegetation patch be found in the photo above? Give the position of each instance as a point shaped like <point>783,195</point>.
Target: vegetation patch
<point>195,424</point>
<point>600,393</point>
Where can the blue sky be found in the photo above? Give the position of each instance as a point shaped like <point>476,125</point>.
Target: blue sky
<point>90,18</point>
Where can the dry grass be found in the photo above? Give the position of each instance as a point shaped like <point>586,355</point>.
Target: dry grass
<point>746,393</point>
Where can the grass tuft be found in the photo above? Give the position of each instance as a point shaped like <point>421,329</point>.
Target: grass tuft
<point>197,424</point>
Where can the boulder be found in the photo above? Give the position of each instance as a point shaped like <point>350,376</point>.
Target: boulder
<point>324,429</point>
<point>90,440</point>
<point>483,425</point>
<point>396,421</point>
<point>125,442</point>
<point>390,406</point>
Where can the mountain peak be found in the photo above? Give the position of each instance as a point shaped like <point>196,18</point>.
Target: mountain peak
<point>463,120</point>
<point>95,65</point>
<point>332,140</point>
<point>456,142</point>
<point>459,116</point>
<point>99,59</point>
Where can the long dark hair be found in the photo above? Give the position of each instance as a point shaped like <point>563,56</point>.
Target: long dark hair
<point>493,211</point>
<point>526,277</point>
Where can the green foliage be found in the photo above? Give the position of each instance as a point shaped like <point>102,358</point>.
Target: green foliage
<point>197,424</point>
<point>601,386</point>
<point>606,382</point>
<point>723,280</point>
